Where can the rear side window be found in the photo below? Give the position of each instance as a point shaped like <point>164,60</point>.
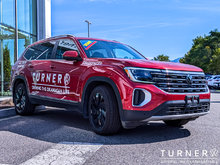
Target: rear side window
<point>40,52</point>
<point>64,45</point>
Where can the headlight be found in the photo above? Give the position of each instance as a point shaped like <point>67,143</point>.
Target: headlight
<point>140,74</point>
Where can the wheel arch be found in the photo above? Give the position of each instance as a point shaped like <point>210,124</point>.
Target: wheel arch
<point>17,80</point>
<point>93,82</point>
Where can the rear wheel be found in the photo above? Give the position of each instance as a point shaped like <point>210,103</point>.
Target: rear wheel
<point>22,103</point>
<point>176,123</point>
<point>103,111</point>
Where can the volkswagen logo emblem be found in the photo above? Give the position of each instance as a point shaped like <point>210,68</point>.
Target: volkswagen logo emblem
<point>189,79</point>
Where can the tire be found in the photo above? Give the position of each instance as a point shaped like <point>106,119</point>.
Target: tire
<point>21,100</point>
<point>176,123</point>
<point>103,111</point>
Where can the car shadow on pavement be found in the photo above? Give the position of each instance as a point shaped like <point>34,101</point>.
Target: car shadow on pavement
<point>59,125</point>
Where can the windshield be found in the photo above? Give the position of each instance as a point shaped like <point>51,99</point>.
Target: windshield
<point>105,49</point>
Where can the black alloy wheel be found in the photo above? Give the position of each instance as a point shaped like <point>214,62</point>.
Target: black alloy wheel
<point>20,99</point>
<point>23,106</point>
<point>98,112</point>
<point>103,111</point>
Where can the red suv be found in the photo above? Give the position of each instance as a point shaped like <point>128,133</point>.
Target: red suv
<point>108,82</point>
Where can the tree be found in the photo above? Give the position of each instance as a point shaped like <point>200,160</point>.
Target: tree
<point>162,57</point>
<point>205,53</point>
<point>7,66</point>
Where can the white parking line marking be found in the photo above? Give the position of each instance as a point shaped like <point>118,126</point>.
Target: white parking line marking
<point>67,153</point>
<point>8,118</point>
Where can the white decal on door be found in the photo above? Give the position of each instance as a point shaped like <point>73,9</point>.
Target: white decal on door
<point>66,79</point>
<point>51,82</point>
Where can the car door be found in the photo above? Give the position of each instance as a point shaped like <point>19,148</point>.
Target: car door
<point>39,67</point>
<point>66,73</point>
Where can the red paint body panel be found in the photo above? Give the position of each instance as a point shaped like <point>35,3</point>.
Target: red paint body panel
<point>81,71</point>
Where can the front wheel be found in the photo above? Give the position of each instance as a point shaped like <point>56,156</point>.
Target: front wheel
<point>176,123</point>
<point>103,111</point>
<point>21,100</point>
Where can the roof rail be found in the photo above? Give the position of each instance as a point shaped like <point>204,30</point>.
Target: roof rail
<point>60,36</point>
<point>56,37</point>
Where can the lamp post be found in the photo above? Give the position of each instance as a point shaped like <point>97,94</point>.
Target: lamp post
<point>89,23</point>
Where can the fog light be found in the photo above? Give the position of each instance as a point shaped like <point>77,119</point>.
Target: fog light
<point>140,97</point>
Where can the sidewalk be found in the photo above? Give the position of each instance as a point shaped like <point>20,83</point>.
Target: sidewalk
<point>6,102</point>
<point>3,98</point>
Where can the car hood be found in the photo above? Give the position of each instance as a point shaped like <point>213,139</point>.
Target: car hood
<point>158,65</point>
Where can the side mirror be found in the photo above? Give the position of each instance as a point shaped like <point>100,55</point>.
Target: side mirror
<point>72,56</point>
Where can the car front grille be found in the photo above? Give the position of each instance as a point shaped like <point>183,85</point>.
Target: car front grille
<point>180,82</point>
<point>180,109</point>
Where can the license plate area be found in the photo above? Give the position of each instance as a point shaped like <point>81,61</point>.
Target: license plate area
<point>192,100</point>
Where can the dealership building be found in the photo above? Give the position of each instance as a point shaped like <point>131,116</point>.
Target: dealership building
<point>22,22</point>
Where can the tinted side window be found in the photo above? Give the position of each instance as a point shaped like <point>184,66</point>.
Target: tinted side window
<point>40,52</point>
<point>45,50</point>
<point>64,45</point>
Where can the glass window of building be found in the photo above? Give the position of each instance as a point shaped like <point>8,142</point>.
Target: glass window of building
<point>11,47</point>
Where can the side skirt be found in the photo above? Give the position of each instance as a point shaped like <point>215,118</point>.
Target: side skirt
<point>54,102</point>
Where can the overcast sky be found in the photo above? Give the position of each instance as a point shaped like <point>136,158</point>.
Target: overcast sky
<point>153,27</point>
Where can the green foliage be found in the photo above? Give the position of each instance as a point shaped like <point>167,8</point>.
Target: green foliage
<point>205,53</point>
<point>27,42</point>
<point>162,57</point>
<point>7,67</point>
<point>7,64</point>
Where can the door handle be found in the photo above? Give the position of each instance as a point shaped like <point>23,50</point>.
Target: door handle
<point>30,66</point>
<point>52,67</point>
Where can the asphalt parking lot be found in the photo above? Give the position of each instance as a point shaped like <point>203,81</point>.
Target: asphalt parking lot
<point>57,136</point>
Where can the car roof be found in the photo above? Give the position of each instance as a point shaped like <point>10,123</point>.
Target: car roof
<point>69,36</point>
<point>86,38</point>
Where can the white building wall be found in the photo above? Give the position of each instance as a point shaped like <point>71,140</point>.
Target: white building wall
<point>43,19</point>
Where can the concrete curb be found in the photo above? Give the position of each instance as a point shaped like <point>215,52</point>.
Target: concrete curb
<point>4,98</point>
<point>7,112</point>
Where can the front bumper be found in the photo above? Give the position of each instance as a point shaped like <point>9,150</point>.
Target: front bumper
<point>170,110</point>
<point>176,117</point>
